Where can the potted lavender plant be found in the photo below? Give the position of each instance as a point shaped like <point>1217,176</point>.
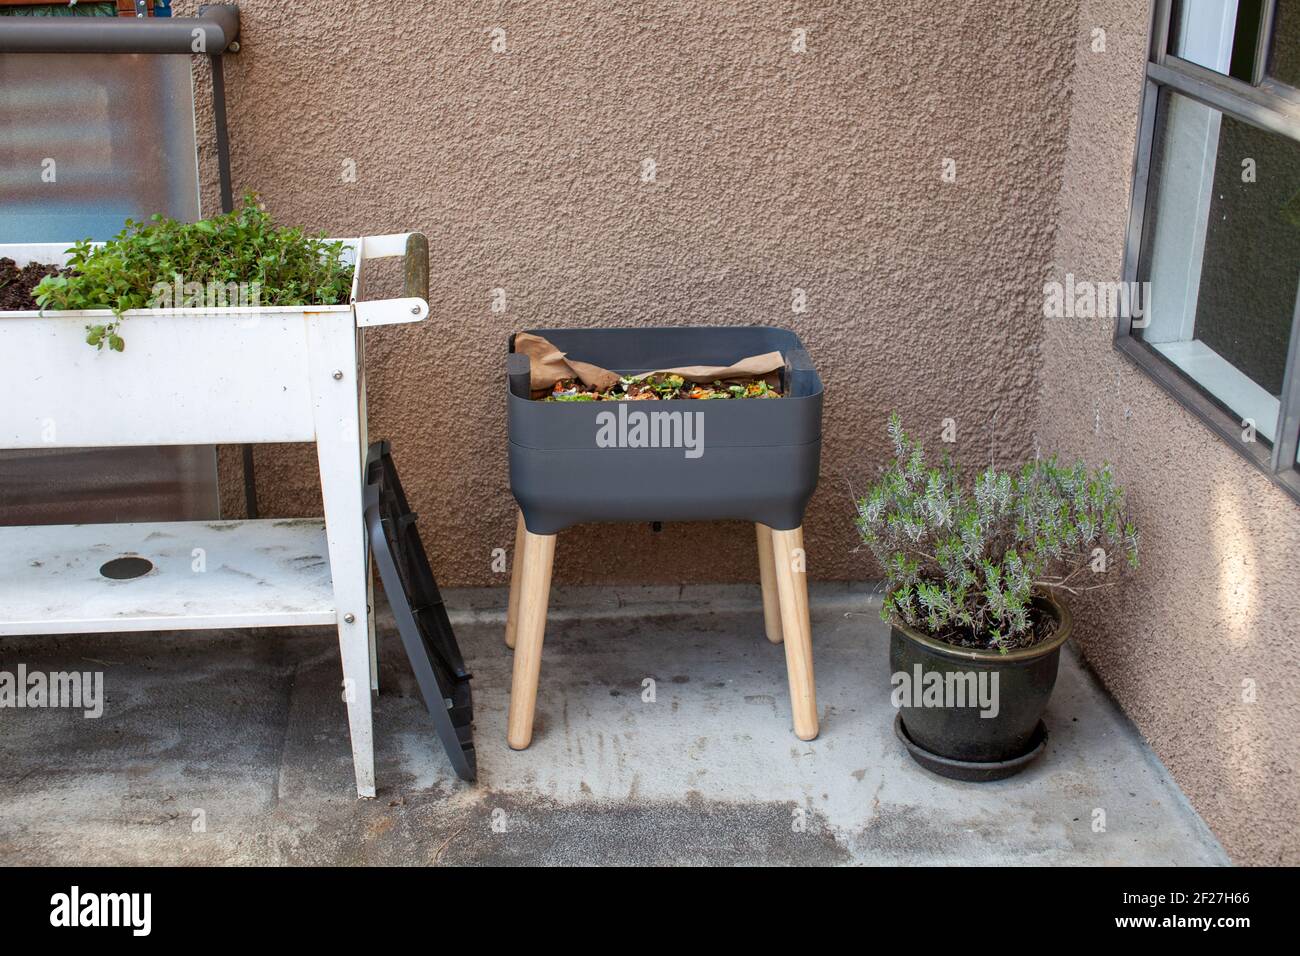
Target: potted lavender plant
<point>976,575</point>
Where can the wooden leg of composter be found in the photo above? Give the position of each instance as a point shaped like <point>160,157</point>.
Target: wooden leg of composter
<point>516,563</point>
<point>792,585</point>
<point>534,596</point>
<point>767,574</point>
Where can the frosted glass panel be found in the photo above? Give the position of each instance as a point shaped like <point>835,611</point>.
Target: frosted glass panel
<point>87,140</point>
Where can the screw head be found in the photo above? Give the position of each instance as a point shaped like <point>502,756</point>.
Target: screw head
<point>415,310</point>
<point>338,375</point>
<point>350,618</point>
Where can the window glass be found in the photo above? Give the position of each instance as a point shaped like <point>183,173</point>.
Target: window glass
<point>1284,48</point>
<point>1220,35</point>
<point>1222,255</point>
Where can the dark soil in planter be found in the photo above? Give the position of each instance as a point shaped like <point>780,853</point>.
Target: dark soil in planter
<point>16,284</point>
<point>1042,626</point>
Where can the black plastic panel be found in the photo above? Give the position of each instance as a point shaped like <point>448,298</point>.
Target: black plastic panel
<point>417,606</point>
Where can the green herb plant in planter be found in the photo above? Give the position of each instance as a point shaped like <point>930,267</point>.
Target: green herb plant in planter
<point>239,258</point>
<point>976,576</point>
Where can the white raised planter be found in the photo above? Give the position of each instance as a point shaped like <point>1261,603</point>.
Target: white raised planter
<point>216,376</point>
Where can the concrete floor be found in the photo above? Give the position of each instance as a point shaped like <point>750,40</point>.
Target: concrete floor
<point>232,747</point>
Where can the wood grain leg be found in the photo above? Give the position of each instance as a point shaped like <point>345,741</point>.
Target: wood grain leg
<point>767,574</point>
<point>516,562</point>
<point>792,585</point>
<point>534,596</point>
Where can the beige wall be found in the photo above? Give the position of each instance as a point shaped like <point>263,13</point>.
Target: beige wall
<point>1217,600</point>
<point>774,171</point>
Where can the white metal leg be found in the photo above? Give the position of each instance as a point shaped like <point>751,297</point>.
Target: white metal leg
<point>333,368</point>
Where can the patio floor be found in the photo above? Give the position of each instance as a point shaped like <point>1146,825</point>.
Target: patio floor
<point>248,728</point>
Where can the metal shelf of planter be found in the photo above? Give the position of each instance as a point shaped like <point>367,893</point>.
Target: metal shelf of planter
<point>753,460</point>
<point>206,376</point>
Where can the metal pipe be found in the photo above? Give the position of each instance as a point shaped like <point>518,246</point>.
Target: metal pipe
<point>227,205</point>
<point>211,32</point>
<point>223,139</point>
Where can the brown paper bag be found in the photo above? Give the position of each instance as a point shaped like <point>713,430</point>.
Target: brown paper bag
<point>549,365</point>
<point>766,366</point>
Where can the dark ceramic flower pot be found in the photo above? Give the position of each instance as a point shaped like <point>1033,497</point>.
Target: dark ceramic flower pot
<point>971,713</point>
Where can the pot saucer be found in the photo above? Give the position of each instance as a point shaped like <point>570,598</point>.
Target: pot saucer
<point>975,771</point>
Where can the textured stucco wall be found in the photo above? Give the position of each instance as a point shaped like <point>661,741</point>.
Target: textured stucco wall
<point>774,171</point>
<point>1217,599</point>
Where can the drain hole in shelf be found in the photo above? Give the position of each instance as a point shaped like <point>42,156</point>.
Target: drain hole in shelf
<point>124,569</point>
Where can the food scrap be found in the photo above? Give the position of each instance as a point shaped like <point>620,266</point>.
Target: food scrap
<point>659,388</point>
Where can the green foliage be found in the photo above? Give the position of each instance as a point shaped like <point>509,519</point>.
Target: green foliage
<point>285,265</point>
<point>964,564</point>
<point>665,386</point>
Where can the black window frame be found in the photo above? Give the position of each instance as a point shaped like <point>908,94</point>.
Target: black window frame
<point>1263,103</point>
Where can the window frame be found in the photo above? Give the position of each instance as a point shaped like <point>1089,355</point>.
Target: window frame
<point>1268,105</point>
